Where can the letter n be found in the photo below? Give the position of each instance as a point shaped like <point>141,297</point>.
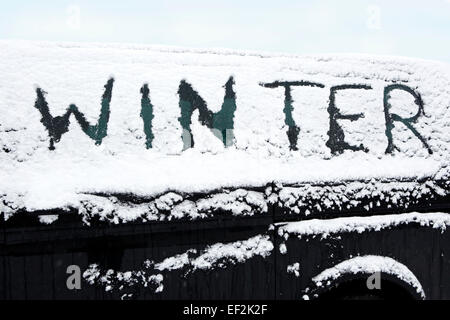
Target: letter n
<point>221,123</point>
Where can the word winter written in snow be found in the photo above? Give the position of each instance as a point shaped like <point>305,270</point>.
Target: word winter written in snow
<point>221,123</point>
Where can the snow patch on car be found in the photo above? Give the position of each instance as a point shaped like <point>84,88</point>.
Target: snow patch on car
<point>370,264</point>
<point>327,227</point>
<point>151,276</point>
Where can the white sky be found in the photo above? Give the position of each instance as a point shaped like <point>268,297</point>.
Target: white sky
<point>409,28</point>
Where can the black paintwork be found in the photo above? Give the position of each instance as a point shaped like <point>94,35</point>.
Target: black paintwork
<point>34,258</point>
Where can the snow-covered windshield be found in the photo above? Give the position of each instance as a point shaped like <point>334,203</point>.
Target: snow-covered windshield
<point>81,119</point>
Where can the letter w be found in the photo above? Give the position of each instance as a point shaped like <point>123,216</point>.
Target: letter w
<point>221,123</point>
<point>57,126</point>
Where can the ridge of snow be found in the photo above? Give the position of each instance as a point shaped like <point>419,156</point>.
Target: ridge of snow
<point>304,200</point>
<point>220,254</point>
<point>327,227</point>
<point>370,264</point>
<point>151,276</point>
<point>208,50</point>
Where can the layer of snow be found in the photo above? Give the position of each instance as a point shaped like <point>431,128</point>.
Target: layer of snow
<point>34,178</point>
<point>124,282</point>
<point>294,268</point>
<point>282,248</point>
<point>48,219</point>
<point>307,199</point>
<point>369,265</point>
<point>171,206</point>
<point>304,200</point>
<point>325,228</point>
<point>220,255</point>
<point>151,276</point>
